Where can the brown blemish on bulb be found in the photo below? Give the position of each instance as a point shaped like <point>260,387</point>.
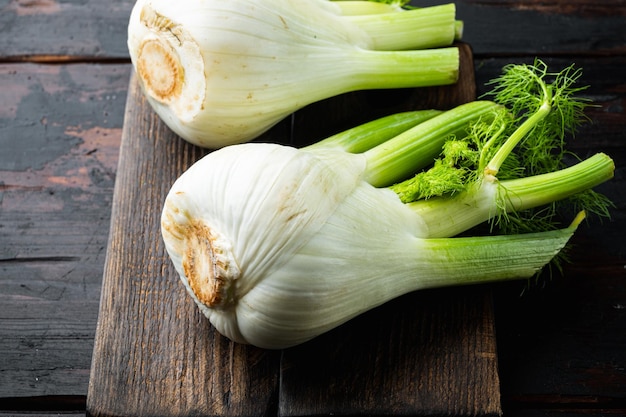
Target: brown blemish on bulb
<point>284,22</point>
<point>151,19</point>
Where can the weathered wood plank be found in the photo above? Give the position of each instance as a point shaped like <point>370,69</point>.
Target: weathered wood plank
<point>429,353</point>
<point>60,129</point>
<point>57,30</point>
<point>152,341</point>
<point>533,27</point>
<point>92,29</point>
<point>586,367</point>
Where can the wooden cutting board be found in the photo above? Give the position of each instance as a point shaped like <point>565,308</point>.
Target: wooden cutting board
<point>427,353</point>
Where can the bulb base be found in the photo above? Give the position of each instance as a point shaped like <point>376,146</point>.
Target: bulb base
<point>160,70</point>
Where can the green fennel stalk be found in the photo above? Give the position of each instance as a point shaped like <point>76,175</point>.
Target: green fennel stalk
<point>500,161</point>
<point>433,26</point>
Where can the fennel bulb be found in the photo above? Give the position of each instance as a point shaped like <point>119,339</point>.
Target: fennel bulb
<point>278,245</point>
<point>223,72</point>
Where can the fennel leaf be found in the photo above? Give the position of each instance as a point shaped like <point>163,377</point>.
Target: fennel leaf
<point>526,137</point>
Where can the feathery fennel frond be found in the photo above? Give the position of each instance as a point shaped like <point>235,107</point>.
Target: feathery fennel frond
<point>525,137</point>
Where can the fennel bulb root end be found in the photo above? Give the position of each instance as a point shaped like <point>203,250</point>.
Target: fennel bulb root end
<point>160,71</point>
<point>206,259</point>
<point>169,66</point>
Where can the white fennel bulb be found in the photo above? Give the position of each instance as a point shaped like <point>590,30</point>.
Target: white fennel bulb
<point>222,72</point>
<point>278,245</point>
<point>271,230</point>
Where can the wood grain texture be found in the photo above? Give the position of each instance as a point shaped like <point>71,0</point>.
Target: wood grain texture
<point>539,28</point>
<point>58,156</point>
<point>560,346</point>
<point>152,342</point>
<point>52,30</point>
<point>429,353</point>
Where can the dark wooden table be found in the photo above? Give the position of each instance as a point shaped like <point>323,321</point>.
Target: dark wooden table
<point>64,77</point>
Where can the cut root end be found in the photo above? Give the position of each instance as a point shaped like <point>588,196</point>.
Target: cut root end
<point>169,63</point>
<point>208,266</point>
<point>159,68</point>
